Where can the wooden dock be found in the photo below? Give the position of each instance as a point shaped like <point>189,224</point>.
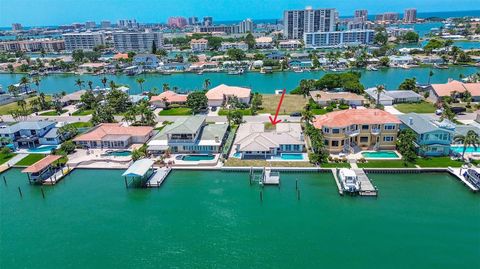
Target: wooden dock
<point>457,173</point>
<point>270,177</point>
<point>158,177</point>
<point>366,186</point>
<point>337,181</point>
<point>57,176</point>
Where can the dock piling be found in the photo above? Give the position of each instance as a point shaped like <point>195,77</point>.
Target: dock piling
<point>43,193</point>
<point>126,183</point>
<point>4,180</point>
<point>261,196</point>
<point>20,192</point>
<point>296,184</point>
<point>298,195</point>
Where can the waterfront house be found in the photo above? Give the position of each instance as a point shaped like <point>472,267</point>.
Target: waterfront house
<point>433,137</point>
<point>219,95</point>
<point>114,135</point>
<point>456,88</point>
<point>30,134</point>
<point>389,98</point>
<point>324,98</point>
<point>254,141</point>
<point>358,129</point>
<point>264,42</point>
<point>146,61</point>
<point>290,44</point>
<point>189,135</point>
<point>300,65</point>
<point>401,60</point>
<point>275,55</point>
<point>199,44</point>
<point>234,45</point>
<point>72,98</point>
<point>168,98</point>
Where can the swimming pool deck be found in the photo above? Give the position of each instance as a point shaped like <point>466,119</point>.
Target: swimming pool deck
<point>158,177</point>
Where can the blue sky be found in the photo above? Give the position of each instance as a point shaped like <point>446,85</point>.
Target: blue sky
<point>54,12</point>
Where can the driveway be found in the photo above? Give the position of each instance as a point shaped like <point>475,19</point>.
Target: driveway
<point>392,110</point>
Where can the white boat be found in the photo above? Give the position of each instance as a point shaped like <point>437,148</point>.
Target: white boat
<point>371,68</point>
<point>236,72</point>
<point>473,175</point>
<point>349,180</point>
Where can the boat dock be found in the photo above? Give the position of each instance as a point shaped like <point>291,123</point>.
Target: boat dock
<point>337,181</point>
<point>158,177</point>
<point>366,186</point>
<point>270,177</point>
<point>457,172</point>
<point>57,176</point>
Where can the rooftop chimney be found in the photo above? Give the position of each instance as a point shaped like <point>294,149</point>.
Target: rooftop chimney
<point>410,121</point>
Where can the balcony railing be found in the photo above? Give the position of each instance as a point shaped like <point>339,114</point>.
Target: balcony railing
<point>376,131</point>
<point>352,132</point>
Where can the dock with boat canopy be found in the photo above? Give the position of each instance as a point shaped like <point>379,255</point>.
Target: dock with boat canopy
<point>366,186</point>
<point>46,171</point>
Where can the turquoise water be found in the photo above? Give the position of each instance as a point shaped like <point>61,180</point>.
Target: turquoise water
<point>195,158</point>
<point>262,83</point>
<point>42,149</point>
<point>470,149</point>
<point>120,153</point>
<point>237,155</point>
<point>380,154</point>
<point>216,220</point>
<point>291,156</point>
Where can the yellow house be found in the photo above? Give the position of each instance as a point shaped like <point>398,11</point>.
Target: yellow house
<point>353,130</point>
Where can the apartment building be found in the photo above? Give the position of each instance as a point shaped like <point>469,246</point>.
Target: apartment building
<point>309,20</point>
<point>410,15</point>
<point>137,41</point>
<point>338,38</point>
<point>353,130</point>
<point>199,44</point>
<point>48,45</point>
<point>233,45</point>
<point>178,22</point>
<point>83,40</point>
<point>245,26</point>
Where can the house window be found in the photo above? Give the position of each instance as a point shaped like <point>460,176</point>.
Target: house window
<point>326,130</point>
<point>335,131</point>
<point>387,138</point>
<point>325,142</point>
<point>335,143</point>
<point>365,127</point>
<point>364,139</point>
<point>389,127</point>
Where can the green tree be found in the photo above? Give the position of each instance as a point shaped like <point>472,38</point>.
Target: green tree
<point>250,40</point>
<point>430,75</point>
<point>79,83</point>
<point>13,90</point>
<point>235,117</point>
<point>78,56</point>
<point>206,84</point>
<point>406,145</point>
<point>165,87</point>
<point>118,101</point>
<point>236,54</point>
<point>192,58</point>
<point>36,81</point>
<point>104,82</point>
<point>381,38</point>
<point>409,84</point>
<point>88,99</point>
<point>154,47</point>
<point>411,37</point>
<point>102,114</point>
<point>197,101</point>
<point>379,90</point>
<point>471,139</point>
<point>140,82</point>
<point>25,83</point>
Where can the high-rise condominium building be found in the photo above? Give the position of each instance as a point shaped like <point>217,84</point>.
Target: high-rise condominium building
<point>298,22</point>
<point>137,41</point>
<point>338,38</point>
<point>387,17</point>
<point>361,13</point>
<point>193,20</point>
<point>410,15</point>
<point>128,24</point>
<point>83,41</point>
<point>245,26</point>
<point>106,24</point>
<point>207,21</point>
<point>16,27</point>
<point>90,24</point>
<point>178,22</point>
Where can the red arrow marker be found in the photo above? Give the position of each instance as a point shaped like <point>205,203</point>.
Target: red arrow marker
<point>274,121</point>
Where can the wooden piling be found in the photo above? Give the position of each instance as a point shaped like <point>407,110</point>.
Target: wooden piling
<point>261,196</point>
<point>4,180</point>
<point>298,195</point>
<point>126,183</point>
<point>20,192</point>
<point>296,183</point>
<point>43,193</point>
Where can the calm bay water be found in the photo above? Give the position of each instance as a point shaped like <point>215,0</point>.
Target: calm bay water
<point>204,220</point>
<point>262,83</point>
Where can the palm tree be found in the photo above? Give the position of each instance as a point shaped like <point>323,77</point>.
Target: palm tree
<point>90,85</point>
<point>379,90</point>
<point>24,81</point>
<point>130,115</point>
<point>79,83</point>
<point>140,82</point>
<point>112,85</point>
<point>165,87</point>
<point>13,90</point>
<point>37,80</point>
<point>21,103</point>
<point>307,116</point>
<point>470,139</point>
<point>430,75</point>
<point>206,84</point>
<point>104,82</point>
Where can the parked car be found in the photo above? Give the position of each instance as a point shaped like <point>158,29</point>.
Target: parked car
<point>458,109</point>
<point>214,108</point>
<point>296,114</point>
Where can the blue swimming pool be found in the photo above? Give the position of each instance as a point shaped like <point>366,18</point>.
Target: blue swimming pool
<point>237,155</point>
<point>42,149</point>
<point>119,153</point>
<point>470,149</point>
<point>196,157</point>
<point>290,157</point>
<point>380,155</point>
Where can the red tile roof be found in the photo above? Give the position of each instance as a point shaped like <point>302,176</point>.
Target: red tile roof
<point>113,129</point>
<point>349,117</point>
<point>446,89</point>
<point>170,96</point>
<point>42,164</point>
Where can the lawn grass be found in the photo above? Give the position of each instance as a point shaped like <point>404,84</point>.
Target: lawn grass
<point>5,157</point>
<point>319,111</point>
<point>178,111</point>
<point>5,109</point>
<point>291,103</point>
<point>82,112</point>
<point>385,164</point>
<point>422,107</point>
<point>234,162</point>
<point>437,162</point>
<point>81,124</point>
<point>245,112</point>
<point>30,159</point>
<point>52,113</point>
<point>335,165</point>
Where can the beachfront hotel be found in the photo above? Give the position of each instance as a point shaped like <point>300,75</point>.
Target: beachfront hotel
<point>189,135</point>
<point>358,129</point>
<point>114,136</point>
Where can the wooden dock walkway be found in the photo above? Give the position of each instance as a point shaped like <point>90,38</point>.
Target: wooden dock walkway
<point>337,181</point>
<point>158,177</point>
<point>366,186</point>
<point>457,173</point>
<point>270,177</point>
<point>57,176</point>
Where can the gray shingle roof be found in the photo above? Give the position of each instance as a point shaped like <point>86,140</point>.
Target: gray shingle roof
<point>183,125</point>
<point>424,124</point>
<point>25,125</point>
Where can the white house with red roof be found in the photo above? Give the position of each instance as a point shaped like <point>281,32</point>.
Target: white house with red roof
<point>114,135</point>
<point>219,95</point>
<point>439,91</point>
<point>169,97</point>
